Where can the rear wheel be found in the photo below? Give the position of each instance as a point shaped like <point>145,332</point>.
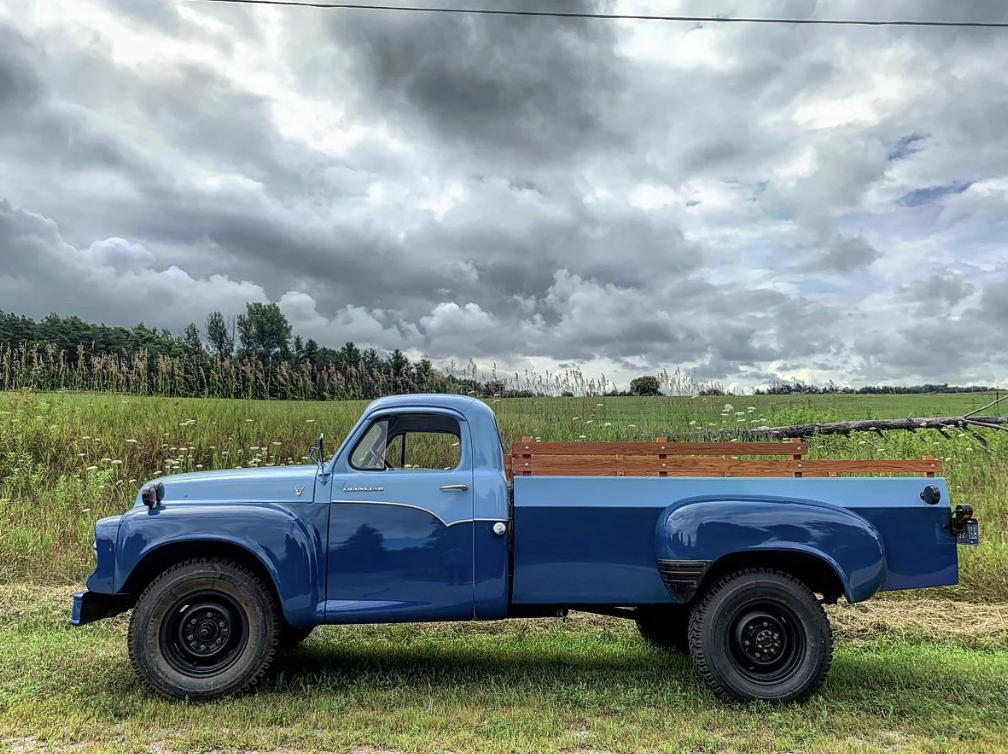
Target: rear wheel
<point>203,628</point>
<point>666,628</point>
<point>761,634</point>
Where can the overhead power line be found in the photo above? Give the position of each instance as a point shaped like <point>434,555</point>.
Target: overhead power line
<point>615,16</point>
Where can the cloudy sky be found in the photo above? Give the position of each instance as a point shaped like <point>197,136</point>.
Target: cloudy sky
<point>744,202</point>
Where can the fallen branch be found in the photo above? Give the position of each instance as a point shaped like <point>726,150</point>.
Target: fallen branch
<point>870,425</point>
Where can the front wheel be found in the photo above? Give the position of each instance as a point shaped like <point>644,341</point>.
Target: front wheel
<point>203,628</point>
<point>761,634</point>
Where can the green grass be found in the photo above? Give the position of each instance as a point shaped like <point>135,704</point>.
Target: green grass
<point>68,459</point>
<point>543,686</point>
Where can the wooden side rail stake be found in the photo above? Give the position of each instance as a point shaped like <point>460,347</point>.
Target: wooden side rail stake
<point>664,459</point>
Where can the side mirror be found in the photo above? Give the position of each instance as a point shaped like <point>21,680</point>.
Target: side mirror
<point>152,495</point>
<point>317,452</point>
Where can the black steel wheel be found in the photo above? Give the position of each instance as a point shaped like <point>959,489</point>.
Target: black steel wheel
<point>203,628</point>
<point>761,634</point>
<point>202,634</point>
<point>665,628</point>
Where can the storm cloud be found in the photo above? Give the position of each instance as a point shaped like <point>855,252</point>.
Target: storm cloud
<point>744,202</point>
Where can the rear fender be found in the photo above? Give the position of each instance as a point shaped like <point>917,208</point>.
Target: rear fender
<point>695,535</point>
<point>270,538</point>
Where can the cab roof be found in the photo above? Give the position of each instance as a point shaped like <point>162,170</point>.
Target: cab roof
<point>461,403</point>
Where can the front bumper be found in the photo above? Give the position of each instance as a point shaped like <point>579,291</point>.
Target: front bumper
<point>89,607</point>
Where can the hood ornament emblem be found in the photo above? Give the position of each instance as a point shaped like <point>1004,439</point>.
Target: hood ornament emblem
<point>298,491</point>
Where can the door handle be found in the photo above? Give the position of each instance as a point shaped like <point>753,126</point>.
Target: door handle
<point>454,487</point>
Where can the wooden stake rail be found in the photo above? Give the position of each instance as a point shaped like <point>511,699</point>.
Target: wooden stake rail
<point>723,459</point>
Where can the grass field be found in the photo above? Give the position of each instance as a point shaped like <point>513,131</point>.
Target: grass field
<point>909,675</point>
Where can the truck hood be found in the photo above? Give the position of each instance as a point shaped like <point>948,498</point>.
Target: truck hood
<point>273,484</point>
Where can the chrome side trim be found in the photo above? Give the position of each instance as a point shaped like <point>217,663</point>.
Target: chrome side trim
<point>417,508</point>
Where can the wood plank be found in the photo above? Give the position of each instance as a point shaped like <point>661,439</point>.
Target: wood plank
<point>644,466</point>
<point>660,448</point>
<point>878,466</point>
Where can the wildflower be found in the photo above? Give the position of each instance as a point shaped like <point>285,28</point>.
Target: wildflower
<point>727,407</point>
<point>92,468</point>
<point>86,437</point>
<point>275,444</point>
<point>131,442</point>
<point>581,437</point>
<point>115,462</point>
<point>311,421</point>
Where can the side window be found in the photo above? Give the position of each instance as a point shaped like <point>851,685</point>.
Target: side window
<point>409,442</point>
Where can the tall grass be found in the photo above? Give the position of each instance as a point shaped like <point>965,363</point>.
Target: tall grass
<point>68,459</point>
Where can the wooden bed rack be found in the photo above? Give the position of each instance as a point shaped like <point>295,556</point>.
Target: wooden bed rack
<point>720,459</point>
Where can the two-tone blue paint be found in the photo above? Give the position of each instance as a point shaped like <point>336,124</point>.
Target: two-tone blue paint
<point>343,545</point>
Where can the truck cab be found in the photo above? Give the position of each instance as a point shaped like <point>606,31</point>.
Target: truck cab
<point>418,515</point>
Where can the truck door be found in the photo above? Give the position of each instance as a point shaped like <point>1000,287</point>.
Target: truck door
<point>401,521</point>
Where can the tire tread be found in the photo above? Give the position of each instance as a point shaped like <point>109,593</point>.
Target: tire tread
<point>694,633</point>
<point>219,564</point>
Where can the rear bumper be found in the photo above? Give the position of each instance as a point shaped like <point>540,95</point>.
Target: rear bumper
<point>89,607</point>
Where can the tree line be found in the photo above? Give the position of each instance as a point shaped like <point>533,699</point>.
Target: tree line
<point>255,354</point>
<point>798,387</point>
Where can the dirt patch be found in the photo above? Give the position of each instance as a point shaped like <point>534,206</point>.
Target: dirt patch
<point>977,624</point>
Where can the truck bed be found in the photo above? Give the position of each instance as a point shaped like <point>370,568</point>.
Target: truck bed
<point>581,538</point>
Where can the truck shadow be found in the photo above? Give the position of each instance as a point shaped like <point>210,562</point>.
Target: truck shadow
<point>867,679</point>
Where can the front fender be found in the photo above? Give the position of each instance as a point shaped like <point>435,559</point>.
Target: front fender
<point>283,538</point>
<point>694,533</point>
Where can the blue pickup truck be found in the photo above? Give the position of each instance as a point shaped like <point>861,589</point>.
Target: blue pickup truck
<point>422,514</point>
